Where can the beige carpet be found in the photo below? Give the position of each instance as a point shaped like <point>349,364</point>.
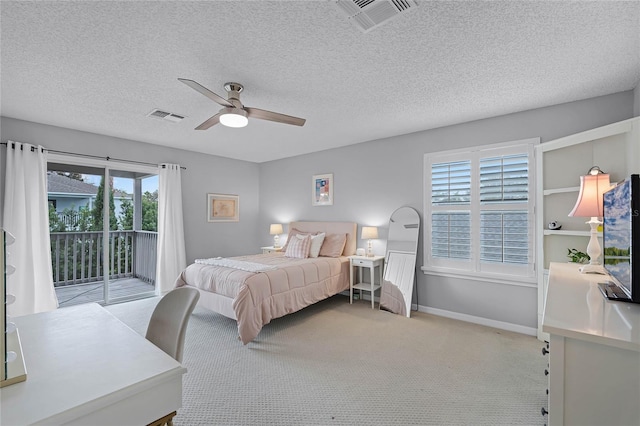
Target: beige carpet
<point>339,364</point>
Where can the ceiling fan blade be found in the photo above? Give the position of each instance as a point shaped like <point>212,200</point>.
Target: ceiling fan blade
<point>274,116</point>
<point>210,122</point>
<point>208,93</point>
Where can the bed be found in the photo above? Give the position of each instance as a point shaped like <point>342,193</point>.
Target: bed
<point>255,289</point>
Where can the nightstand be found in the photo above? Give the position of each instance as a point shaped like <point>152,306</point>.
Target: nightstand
<point>270,249</point>
<point>365,262</point>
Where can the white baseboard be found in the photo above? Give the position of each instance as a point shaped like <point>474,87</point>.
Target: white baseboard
<point>479,320</point>
<point>530,331</point>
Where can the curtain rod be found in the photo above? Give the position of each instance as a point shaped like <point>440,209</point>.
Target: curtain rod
<point>96,156</point>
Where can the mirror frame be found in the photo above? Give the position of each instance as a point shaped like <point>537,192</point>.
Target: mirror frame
<point>400,262</point>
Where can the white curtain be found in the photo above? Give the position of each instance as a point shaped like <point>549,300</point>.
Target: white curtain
<point>172,258</point>
<point>26,217</point>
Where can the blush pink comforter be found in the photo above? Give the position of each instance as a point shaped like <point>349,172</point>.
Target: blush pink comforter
<point>260,297</point>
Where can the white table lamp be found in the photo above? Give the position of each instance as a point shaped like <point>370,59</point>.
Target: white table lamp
<point>369,233</point>
<point>589,204</point>
<point>276,229</point>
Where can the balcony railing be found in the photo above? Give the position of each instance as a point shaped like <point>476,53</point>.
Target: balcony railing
<point>76,257</point>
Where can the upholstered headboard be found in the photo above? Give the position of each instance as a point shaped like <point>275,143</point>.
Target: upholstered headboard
<point>349,228</point>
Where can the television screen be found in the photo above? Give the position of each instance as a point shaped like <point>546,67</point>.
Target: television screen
<point>617,238</point>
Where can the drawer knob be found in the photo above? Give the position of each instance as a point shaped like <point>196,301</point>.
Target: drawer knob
<point>544,412</point>
<point>546,372</point>
<point>544,351</point>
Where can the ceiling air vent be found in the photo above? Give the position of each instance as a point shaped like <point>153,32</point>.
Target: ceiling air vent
<point>164,115</point>
<point>369,14</point>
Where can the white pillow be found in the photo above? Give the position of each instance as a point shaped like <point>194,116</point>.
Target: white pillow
<point>316,243</point>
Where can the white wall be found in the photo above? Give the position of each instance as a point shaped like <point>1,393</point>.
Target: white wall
<point>204,174</point>
<point>636,100</point>
<point>372,179</point>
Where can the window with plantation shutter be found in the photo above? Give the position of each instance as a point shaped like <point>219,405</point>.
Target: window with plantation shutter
<point>480,203</point>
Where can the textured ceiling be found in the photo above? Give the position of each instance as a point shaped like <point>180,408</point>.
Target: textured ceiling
<point>102,66</point>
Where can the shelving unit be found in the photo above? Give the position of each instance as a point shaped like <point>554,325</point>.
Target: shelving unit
<point>13,367</point>
<point>615,148</point>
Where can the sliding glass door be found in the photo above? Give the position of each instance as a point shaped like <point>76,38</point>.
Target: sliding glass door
<point>103,233</point>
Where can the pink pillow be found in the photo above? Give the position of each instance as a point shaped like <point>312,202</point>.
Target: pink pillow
<point>333,245</point>
<point>299,247</point>
<point>292,233</point>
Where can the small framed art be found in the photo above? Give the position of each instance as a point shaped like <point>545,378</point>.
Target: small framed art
<point>322,187</point>
<point>223,208</point>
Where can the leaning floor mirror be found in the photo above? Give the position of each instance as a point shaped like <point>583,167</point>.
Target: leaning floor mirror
<point>400,261</point>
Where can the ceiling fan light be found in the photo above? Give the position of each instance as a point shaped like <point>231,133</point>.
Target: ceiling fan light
<point>233,117</point>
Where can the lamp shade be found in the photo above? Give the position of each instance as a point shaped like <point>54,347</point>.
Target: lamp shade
<point>275,229</point>
<point>589,202</point>
<point>369,233</point>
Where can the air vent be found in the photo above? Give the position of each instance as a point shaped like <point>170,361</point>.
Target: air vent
<point>369,14</point>
<point>164,115</point>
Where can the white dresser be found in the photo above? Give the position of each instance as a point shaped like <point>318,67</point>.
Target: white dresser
<point>594,352</point>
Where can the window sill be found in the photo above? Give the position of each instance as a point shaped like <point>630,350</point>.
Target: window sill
<point>515,280</point>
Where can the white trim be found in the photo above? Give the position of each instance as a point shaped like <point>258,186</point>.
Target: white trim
<point>529,331</point>
<point>590,135</point>
<point>101,163</point>
<point>515,280</point>
<point>476,148</point>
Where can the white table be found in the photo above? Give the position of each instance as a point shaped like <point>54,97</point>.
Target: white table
<point>594,352</point>
<point>86,367</point>
<point>372,263</point>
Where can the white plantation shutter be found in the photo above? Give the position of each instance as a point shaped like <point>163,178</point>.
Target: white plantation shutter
<point>451,183</point>
<point>451,235</point>
<point>504,237</point>
<point>504,233</point>
<point>504,179</point>
<point>480,203</point>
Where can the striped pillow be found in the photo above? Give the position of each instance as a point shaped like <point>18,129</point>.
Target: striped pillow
<point>292,233</point>
<point>298,247</point>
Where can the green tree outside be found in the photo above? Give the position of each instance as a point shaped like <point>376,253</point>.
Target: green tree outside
<point>149,212</point>
<point>96,213</point>
<point>126,215</point>
<point>55,224</point>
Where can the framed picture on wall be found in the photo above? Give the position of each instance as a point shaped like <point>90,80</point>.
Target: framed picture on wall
<point>223,208</point>
<point>322,190</point>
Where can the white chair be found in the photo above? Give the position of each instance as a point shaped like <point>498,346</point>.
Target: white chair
<point>168,326</point>
<point>168,323</point>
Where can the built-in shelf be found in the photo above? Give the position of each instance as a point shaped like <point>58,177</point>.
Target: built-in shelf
<point>561,162</point>
<point>561,190</point>
<point>570,233</point>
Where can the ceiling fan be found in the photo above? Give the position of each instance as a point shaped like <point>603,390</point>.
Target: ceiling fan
<point>234,114</point>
